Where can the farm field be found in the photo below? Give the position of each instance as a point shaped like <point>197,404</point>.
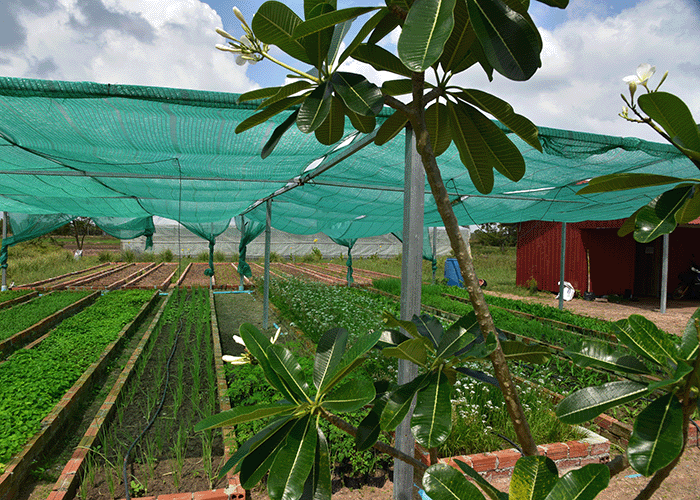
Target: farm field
<point>174,458</point>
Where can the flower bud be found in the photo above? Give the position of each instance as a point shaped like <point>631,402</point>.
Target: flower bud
<point>633,88</point>
<point>225,34</point>
<point>227,48</point>
<point>239,14</point>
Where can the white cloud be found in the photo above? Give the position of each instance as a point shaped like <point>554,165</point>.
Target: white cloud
<point>585,58</point>
<point>140,42</point>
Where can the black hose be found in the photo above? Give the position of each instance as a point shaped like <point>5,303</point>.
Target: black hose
<point>125,476</point>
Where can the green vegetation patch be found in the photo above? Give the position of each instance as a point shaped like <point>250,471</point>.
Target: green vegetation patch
<point>32,381</point>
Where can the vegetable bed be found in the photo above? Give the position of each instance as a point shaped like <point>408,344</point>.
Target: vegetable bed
<point>169,457</point>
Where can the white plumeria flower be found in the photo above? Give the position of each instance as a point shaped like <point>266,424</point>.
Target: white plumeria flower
<point>644,72</point>
<point>240,60</point>
<point>238,340</point>
<point>234,360</point>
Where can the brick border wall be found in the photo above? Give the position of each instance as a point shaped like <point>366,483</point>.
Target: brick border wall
<point>593,449</point>
<point>17,469</point>
<point>18,300</point>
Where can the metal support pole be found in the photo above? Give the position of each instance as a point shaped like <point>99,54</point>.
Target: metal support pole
<point>411,280</point>
<point>434,250</point>
<point>561,265</point>
<point>266,293</point>
<point>4,237</point>
<point>664,275</point>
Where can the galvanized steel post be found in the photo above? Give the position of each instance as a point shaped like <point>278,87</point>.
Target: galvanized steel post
<point>266,293</point>
<point>664,275</point>
<point>411,279</point>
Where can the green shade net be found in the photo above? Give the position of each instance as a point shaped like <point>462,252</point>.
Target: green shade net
<point>349,243</point>
<point>249,231</point>
<point>127,229</point>
<point>209,231</point>
<point>133,152</point>
<point>27,227</point>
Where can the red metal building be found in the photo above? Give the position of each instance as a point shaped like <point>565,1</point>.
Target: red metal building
<point>617,265</point>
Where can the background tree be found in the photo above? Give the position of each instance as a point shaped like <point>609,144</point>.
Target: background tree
<point>496,235</point>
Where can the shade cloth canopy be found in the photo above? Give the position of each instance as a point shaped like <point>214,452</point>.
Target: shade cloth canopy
<point>95,150</point>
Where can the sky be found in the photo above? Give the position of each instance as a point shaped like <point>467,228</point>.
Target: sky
<point>588,49</point>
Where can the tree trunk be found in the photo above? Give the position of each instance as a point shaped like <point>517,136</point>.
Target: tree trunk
<point>463,254</point>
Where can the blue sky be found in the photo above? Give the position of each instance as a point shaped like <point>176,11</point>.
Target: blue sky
<point>588,49</point>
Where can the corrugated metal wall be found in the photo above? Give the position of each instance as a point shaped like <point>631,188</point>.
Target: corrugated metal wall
<point>539,251</point>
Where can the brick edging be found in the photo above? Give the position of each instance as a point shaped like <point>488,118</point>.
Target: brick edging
<point>18,468</point>
<point>182,276</point>
<point>18,300</point>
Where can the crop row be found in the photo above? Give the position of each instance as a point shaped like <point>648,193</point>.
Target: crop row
<point>22,316</point>
<point>33,380</point>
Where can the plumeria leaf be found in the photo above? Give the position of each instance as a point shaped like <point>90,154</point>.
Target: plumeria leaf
<point>438,123</point>
<point>317,43</point>
<point>691,208</point>
<point>483,147</point>
<point>682,370</point>
<point>533,478</point>
<point>532,353</point>
<point>286,91</point>
<point>380,59</point>
<point>277,134</point>
<point>369,429</point>
<point>333,127</point>
<point>353,358</point>
<point>590,353</point>
<point>288,369</point>
<point>425,31</point>
<point>657,437</point>
<point>674,117</point>
<point>504,113</point>
<point>387,24</point>
<point>581,484</point>
<point>294,461</point>
<point>478,375</point>
<point>392,321</point>
<point>460,40</point>
<point>457,335</point>
<point>339,33</point>
<point>391,338</point>
<point>242,414</point>
<point>268,113</point>
<point>257,344</point>
<point>589,402</point>
<point>429,327</point>
<point>555,3</point>
<point>318,483</point>
<point>350,396</point>
<point>400,402</point>
<point>274,24</point>
<point>358,94</point>
<point>397,87</point>
<point>413,350</point>
<point>629,225</point>
<point>258,94</point>
<point>252,443</point>
<point>329,19</point>
<point>622,181</point>
<point>259,458</point>
<point>689,345</point>
<point>442,482</point>
<point>315,108</point>
<point>362,34</point>
<point>310,5</point>
<point>329,351</point>
<point>645,338</point>
<point>390,128</point>
<point>431,423</point>
<point>509,38</point>
<point>485,486</point>
<point>364,124</point>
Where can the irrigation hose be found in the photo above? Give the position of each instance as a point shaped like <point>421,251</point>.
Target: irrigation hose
<point>125,476</point>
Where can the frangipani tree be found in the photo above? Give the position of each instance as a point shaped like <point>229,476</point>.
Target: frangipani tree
<point>443,37</point>
<point>669,116</point>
